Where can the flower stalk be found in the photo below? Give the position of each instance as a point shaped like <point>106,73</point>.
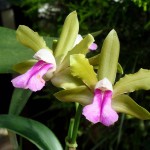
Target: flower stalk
<point>73,130</point>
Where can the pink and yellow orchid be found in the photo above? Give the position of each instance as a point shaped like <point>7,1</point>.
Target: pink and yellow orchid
<point>102,100</point>
<point>52,64</point>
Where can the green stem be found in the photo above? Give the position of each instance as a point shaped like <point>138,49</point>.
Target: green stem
<point>76,124</point>
<point>73,130</point>
<point>69,136</point>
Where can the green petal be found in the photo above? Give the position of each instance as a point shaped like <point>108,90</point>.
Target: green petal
<point>95,60</point>
<point>132,82</point>
<point>81,48</point>
<point>68,36</point>
<point>81,68</point>
<point>30,38</point>
<point>80,94</point>
<point>125,104</point>
<point>109,57</point>
<point>65,80</point>
<point>24,66</point>
<point>34,131</point>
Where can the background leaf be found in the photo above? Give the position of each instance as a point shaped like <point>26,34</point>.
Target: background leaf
<point>81,68</point>
<point>125,104</point>
<point>32,130</point>
<point>132,82</point>
<point>18,100</point>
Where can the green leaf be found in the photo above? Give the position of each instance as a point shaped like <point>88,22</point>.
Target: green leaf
<point>109,57</point>
<point>30,38</point>
<point>18,100</point>
<point>65,80</point>
<point>80,94</point>
<point>125,104</point>
<point>81,48</point>
<point>80,67</point>
<point>67,38</point>
<point>132,82</point>
<point>24,66</point>
<point>32,130</point>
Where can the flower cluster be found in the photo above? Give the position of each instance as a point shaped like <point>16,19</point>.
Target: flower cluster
<point>67,67</point>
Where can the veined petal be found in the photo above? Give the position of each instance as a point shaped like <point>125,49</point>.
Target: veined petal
<point>45,55</point>
<point>101,109</point>
<point>36,82</point>
<point>32,79</point>
<point>108,115</point>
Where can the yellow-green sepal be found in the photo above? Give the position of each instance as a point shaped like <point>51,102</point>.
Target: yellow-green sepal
<point>67,38</point>
<point>81,68</point>
<point>108,59</point>
<point>81,48</point>
<point>80,94</point>
<point>65,80</point>
<point>125,104</point>
<point>30,38</point>
<point>24,66</point>
<point>133,82</point>
<point>94,61</point>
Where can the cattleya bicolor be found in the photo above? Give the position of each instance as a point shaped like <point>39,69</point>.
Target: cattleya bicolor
<point>102,100</point>
<point>100,110</point>
<point>48,64</point>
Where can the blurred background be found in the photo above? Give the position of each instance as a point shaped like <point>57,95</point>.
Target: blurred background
<point>131,20</point>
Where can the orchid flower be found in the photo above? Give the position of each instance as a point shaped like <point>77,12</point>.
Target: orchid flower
<point>52,64</point>
<point>102,100</point>
<point>101,109</point>
<point>33,78</point>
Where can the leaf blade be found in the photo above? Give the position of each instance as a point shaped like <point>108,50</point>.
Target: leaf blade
<point>18,100</point>
<point>34,131</point>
